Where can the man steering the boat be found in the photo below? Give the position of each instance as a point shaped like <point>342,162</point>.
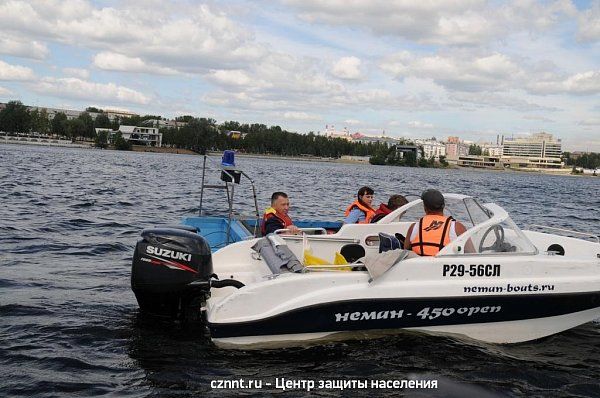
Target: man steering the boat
<point>435,230</point>
<point>276,217</point>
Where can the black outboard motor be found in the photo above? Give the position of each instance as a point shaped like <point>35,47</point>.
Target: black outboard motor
<point>171,272</point>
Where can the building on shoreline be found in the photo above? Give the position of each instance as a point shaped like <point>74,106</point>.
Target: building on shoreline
<point>148,136</point>
<point>478,161</point>
<point>432,148</point>
<point>456,148</point>
<point>331,132</point>
<point>540,145</point>
<point>539,151</point>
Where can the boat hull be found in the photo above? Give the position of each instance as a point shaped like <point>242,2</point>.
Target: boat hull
<point>495,319</point>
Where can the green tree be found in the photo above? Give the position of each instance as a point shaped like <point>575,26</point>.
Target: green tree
<point>133,120</point>
<point>121,143</point>
<point>88,125</point>
<point>115,123</point>
<point>42,125</point>
<point>185,119</point>
<point>102,121</point>
<point>443,161</point>
<point>475,149</point>
<point>75,129</point>
<point>59,124</point>
<point>101,140</point>
<point>410,159</point>
<point>15,118</point>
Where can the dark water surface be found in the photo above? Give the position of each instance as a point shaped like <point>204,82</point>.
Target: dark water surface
<point>69,220</point>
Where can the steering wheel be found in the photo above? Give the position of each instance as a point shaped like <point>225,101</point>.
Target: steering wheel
<point>498,245</point>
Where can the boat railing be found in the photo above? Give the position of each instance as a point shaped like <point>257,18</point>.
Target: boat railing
<point>321,231</point>
<point>587,235</point>
<point>230,178</point>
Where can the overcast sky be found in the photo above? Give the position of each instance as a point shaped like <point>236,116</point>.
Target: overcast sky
<point>411,68</point>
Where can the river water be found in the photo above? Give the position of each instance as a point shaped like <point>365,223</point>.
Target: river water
<point>69,325</point>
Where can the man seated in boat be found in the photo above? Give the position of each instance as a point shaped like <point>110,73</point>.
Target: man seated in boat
<point>434,230</point>
<point>276,217</point>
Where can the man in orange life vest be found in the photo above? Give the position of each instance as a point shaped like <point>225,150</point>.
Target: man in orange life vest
<point>434,231</point>
<point>276,217</point>
<point>360,211</point>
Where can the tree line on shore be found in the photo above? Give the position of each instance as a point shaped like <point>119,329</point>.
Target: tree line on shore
<point>202,134</point>
<point>199,135</point>
<point>589,160</point>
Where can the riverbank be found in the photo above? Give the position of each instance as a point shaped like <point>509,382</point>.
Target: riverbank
<point>346,160</point>
<point>40,142</point>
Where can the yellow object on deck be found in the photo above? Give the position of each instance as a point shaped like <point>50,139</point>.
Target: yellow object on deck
<point>310,260</point>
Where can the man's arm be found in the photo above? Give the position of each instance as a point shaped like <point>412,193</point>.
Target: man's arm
<point>354,216</point>
<point>407,244</point>
<point>461,229</point>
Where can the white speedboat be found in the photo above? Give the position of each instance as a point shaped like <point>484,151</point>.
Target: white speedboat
<point>509,285</point>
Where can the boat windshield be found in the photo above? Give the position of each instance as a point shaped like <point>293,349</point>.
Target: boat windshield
<point>466,210</point>
<point>501,237</point>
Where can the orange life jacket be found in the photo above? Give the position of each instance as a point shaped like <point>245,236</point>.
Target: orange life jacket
<point>381,212</point>
<point>270,213</point>
<point>369,212</point>
<point>432,236</point>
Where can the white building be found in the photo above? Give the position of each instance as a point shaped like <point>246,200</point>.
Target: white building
<point>330,132</point>
<point>432,148</point>
<point>149,136</point>
<point>494,150</point>
<point>540,145</point>
<point>538,151</point>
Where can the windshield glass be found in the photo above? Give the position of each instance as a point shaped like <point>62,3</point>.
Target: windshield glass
<point>503,237</point>
<point>468,211</point>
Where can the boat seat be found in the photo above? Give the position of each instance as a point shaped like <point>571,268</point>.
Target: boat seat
<point>556,249</point>
<point>352,252</point>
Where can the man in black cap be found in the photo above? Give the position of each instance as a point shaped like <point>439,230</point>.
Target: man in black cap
<point>434,230</point>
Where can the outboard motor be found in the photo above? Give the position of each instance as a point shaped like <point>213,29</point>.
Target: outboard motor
<point>171,272</point>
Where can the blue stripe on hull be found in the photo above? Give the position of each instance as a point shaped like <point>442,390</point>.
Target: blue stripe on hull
<point>373,314</point>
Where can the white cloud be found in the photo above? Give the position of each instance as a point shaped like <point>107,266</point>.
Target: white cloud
<point>347,68</point>
<point>470,100</point>
<point>538,118</point>
<point>589,23</point>
<point>5,92</point>
<point>586,83</point>
<point>351,122</point>
<point>590,122</point>
<point>85,90</point>
<point>231,77</point>
<point>191,39</point>
<point>118,62</point>
<point>459,22</point>
<point>77,72</point>
<point>15,72</point>
<point>300,116</point>
<point>420,125</point>
<point>460,71</point>
<point>23,48</point>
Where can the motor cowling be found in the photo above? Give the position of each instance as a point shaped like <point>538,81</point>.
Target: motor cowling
<point>171,272</point>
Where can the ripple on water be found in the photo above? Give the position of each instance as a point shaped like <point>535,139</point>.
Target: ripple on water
<point>68,318</point>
